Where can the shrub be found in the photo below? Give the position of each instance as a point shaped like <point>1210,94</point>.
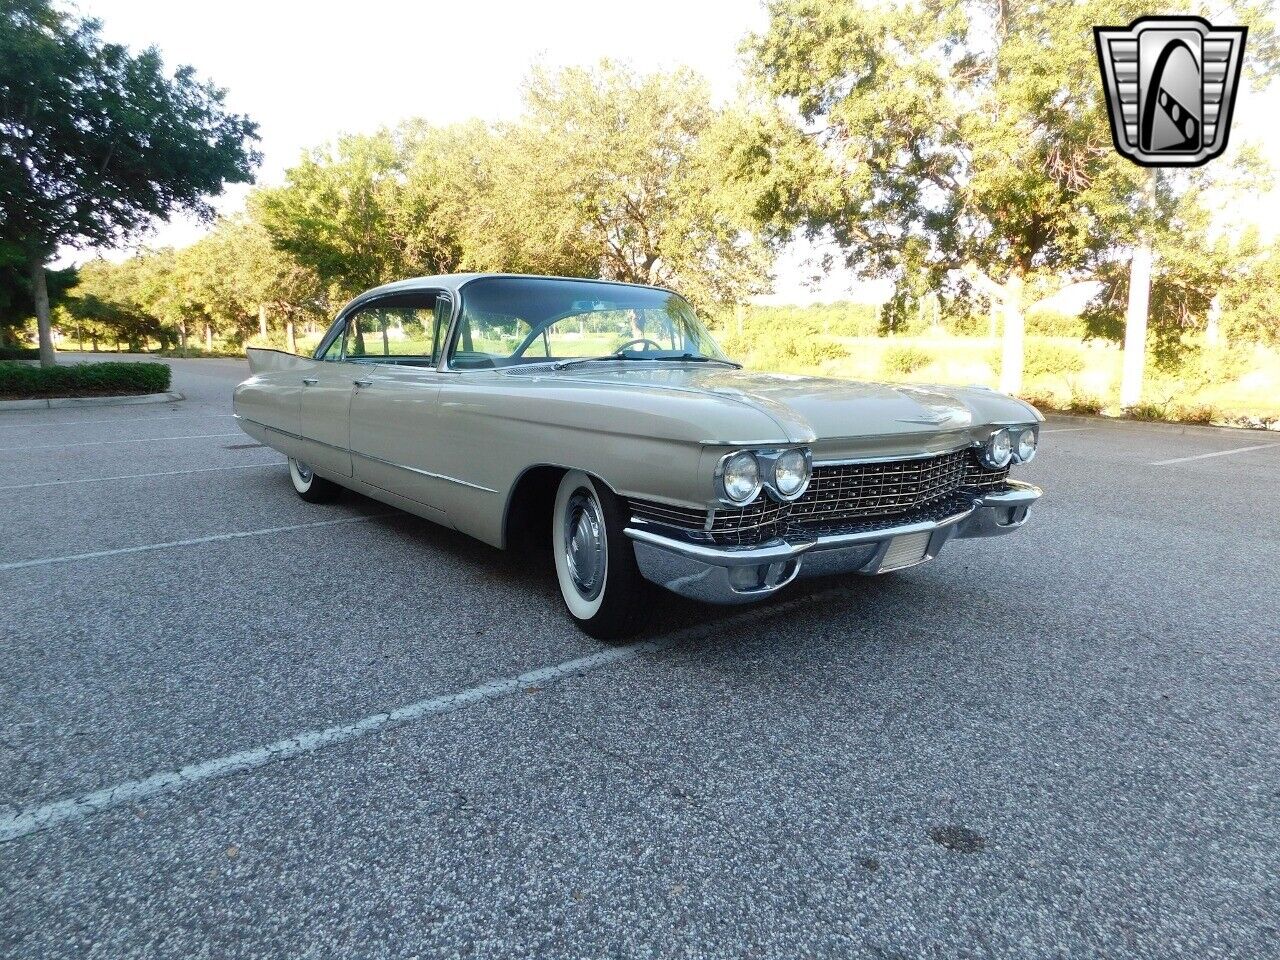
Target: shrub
<point>1147,411</point>
<point>905,359</point>
<point>1194,413</point>
<point>19,353</point>
<point>82,379</point>
<point>1050,360</point>
<point>1084,404</point>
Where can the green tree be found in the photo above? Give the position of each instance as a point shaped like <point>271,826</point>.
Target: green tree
<point>98,142</point>
<point>612,174</point>
<point>974,128</point>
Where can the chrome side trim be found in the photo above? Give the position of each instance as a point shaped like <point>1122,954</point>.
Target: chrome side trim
<point>366,456</point>
<point>424,473</point>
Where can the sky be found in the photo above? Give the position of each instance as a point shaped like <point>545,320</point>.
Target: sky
<point>309,71</point>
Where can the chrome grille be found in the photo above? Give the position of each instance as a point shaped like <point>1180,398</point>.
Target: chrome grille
<point>837,495</point>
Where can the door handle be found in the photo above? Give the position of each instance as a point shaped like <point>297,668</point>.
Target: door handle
<point>310,381</point>
<point>363,383</point>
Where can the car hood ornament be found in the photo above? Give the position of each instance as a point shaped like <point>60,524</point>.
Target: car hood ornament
<point>1170,84</point>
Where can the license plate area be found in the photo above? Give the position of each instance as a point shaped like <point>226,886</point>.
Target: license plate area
<point>905,551</point>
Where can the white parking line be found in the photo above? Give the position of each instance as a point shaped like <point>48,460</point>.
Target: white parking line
<point>139,476</point>
<point>102,443</point>
<point>34,819</point>
<point>214,538</point>
<point>76,423</point>
<point>1216,453</point>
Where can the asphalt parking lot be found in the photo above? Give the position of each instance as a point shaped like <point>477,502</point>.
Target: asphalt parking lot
<point>1061,743</point>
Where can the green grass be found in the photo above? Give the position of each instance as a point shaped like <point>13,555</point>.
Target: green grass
<point>21,381</point>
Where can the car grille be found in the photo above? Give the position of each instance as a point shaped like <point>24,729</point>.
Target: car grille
<point>839,497</point>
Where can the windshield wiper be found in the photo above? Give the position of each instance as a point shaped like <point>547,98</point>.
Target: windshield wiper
<point>561,364</point>
<point>699,358</point>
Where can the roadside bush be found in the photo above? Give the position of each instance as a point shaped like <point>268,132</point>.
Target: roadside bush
<point>82,379</point>
<point>1194,413</point>
<point>905,360</point>
<point>19,353</point>
<point>1050,360</point>
<point>1147,411</point>
<point>1083,403</point>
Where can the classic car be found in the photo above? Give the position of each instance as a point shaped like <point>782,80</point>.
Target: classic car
<point>603,417</point>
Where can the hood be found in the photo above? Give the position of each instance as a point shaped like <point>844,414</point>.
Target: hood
<point>809,409</point>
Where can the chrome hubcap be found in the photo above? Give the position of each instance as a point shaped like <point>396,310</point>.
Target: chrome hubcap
<point>584,544</point>
<point>304,472</point>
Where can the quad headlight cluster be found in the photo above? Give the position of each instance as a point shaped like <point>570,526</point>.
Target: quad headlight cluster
<point>1009,445</point>
<point>784,474</point>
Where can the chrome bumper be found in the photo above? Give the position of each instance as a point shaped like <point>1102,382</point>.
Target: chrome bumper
<point>727,574</point>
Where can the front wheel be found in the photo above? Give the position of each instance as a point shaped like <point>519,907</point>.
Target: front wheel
<point>595,561</point>
<point>311,488</point>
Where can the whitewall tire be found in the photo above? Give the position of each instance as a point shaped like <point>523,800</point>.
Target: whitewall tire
<point>595,561</point>
<point>310,487</point>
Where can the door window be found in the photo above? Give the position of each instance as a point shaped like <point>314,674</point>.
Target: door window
<point>400,330</point>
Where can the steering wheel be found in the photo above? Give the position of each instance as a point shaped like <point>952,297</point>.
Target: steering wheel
<point>642,340</point>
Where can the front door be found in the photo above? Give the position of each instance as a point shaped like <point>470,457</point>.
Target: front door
<point>394,412</point>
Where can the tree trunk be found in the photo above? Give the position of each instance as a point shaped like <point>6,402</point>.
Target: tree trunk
<point>182,336</point>
<point>40,294</point>
<point>1211,335</point>
<point>1011,355</point>
<point>208,338</point>
<point>262,320</point>
<point>290,341</point>
<point>1135,326</point>
<point>1135,320</point>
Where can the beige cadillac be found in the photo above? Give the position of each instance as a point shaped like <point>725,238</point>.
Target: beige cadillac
<point>604,415</point>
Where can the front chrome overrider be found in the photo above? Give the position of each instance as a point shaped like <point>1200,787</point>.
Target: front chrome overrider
<point>729,574</point>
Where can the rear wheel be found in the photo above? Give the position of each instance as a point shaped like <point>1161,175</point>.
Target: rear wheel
<point>595,561</point>
<point>311,488</point>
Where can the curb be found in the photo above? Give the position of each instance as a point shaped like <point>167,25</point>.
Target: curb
<point>1164,426</point>
<point>54,403</point>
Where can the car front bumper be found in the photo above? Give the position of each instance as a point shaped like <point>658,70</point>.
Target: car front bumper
<point>716,573</point>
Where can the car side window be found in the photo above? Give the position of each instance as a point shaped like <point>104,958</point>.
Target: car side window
<point>398,330</point>
<point>334,350</point>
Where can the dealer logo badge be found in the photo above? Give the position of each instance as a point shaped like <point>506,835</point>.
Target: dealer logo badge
<point>1171,85</point>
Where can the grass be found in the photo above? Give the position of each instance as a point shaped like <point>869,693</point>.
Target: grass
<point>20,381</point>
<point>1234,385</point>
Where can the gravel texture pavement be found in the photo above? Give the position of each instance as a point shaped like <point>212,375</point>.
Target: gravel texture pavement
<point>1063,743</point>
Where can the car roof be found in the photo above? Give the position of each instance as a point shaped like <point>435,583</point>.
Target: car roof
<point>452,282</point>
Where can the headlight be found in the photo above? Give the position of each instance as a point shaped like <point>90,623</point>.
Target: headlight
<point>740,477</point>
<point>1024,447</point>
<point>998,450</point>
<point>791,472</point>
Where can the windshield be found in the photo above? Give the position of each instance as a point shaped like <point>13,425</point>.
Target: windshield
<point>507,321</point>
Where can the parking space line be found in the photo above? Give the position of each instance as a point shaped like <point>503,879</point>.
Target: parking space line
<point>213,538</point>
<point>103,443</point>
<point>139,476</point>
<point>75,423</point>
<point>42,817</point>
<point>1216,453</point>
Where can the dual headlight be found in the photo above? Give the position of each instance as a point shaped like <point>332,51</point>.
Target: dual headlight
<point>784,473</point>
<point>1009,445</point>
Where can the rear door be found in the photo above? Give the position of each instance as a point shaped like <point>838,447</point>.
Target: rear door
<point>325,423</point>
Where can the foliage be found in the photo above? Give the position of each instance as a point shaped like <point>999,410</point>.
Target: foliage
<point>1048,359</point>
<point>100,141</point>
<point>82,379</point>
<point>905,359</point>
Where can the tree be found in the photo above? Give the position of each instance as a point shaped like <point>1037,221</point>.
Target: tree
<point>334,213</point>
<point>974,127</point>
<point>99,142</point>
<point>608,173</point>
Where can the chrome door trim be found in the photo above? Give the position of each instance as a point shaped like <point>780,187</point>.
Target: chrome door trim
<point>424,473</point>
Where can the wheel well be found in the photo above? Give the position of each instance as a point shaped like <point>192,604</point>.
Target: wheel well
<point>528,521</point>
